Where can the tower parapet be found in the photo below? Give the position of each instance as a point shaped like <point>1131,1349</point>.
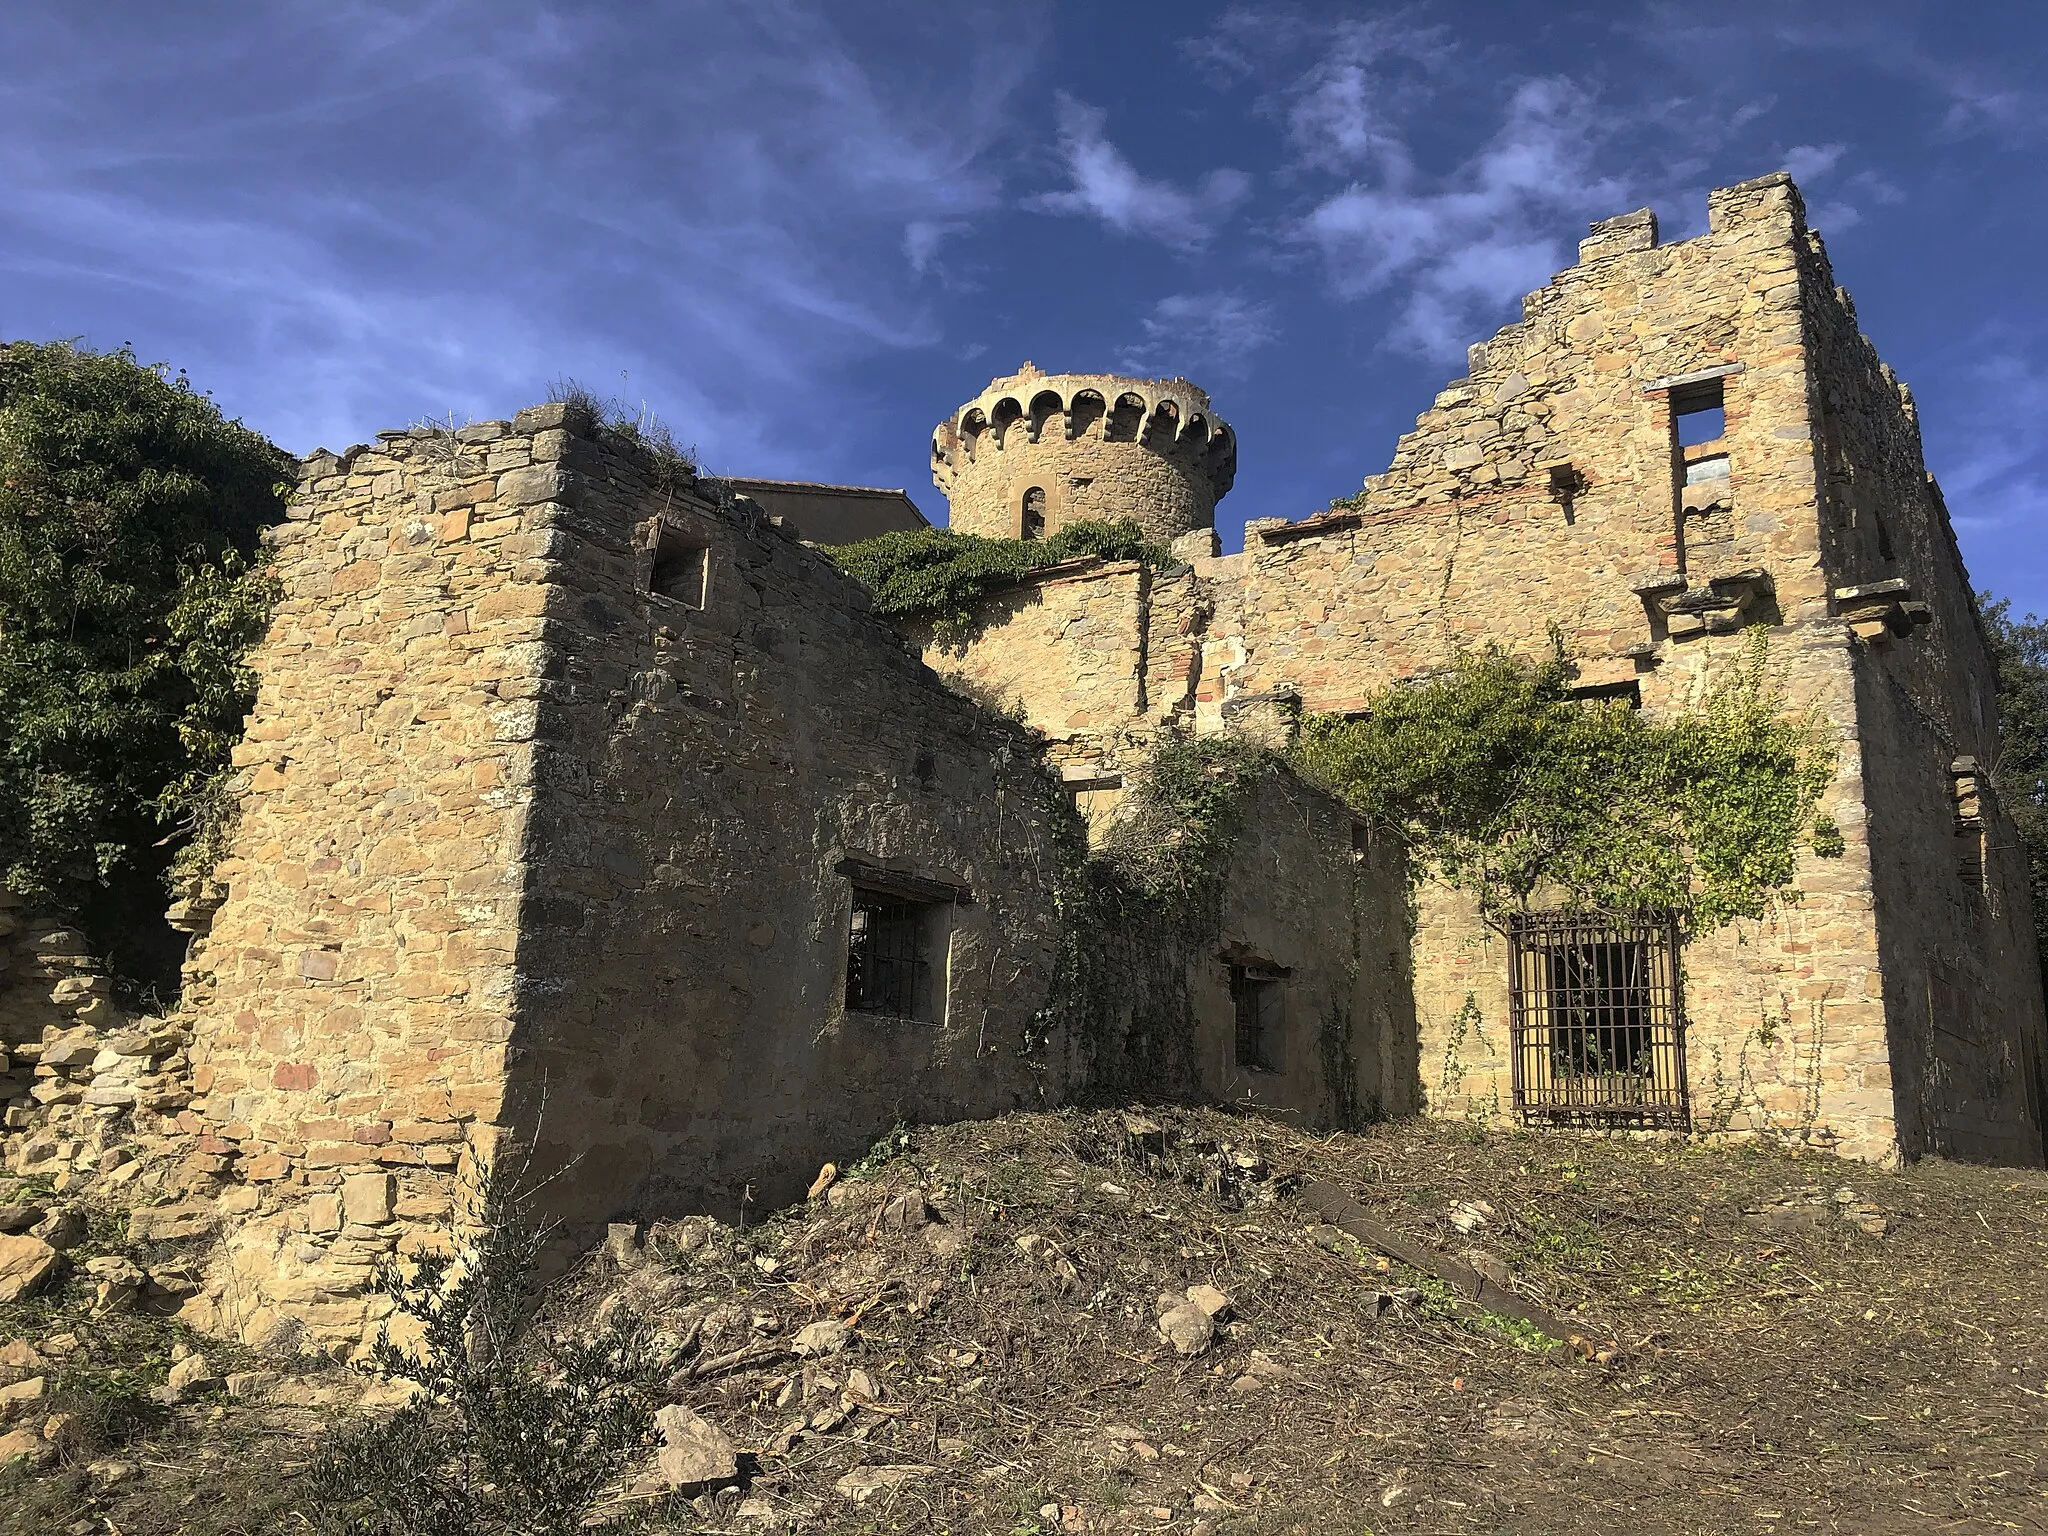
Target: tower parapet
<point>1036,451</point>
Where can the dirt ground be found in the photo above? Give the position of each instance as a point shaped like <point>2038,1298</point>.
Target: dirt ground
<point>1767,1343</point>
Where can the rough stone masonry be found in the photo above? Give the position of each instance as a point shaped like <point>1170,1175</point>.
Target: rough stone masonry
<point>599,841</point>
<point>1894,1007</point>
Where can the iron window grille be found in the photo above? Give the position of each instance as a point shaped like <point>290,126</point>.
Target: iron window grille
<point>1597,1021</point>
<point>888,956</point>
<point>1255,1001</point>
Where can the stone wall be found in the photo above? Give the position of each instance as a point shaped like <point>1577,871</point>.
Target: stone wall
<point>1955,942</point>
<point>716,777</point>
<point>1091,446</point>
<point>1556,489</point>
<point>566,777</point>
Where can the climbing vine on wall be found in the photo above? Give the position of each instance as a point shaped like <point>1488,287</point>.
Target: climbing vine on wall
<point>1503,783</point>
<point>1129,910</point>
<point>936,576</point>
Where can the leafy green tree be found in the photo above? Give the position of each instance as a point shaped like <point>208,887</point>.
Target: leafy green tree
<point>129,593</point>
<point>2020,647</point>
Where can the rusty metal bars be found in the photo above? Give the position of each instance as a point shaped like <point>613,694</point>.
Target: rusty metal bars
<point>1597,1021</point>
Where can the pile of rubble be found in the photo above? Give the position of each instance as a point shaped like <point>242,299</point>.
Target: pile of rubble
<point>92,1094</point>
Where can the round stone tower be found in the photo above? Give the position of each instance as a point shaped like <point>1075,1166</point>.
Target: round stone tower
<point>1038,450</point>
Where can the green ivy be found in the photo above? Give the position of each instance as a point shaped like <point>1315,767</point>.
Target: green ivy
<point>1503,783</point>
<point>936,576</point>
<point>1132,912</point>
<point>129,594</point>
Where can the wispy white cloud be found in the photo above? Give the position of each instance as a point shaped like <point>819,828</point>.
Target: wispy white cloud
<point>1107,187</point>
<point>450,205</point>
<point>1201,334</point>
<point>1489,231</point>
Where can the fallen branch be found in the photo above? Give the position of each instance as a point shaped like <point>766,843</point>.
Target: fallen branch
<point>1347,1215</point>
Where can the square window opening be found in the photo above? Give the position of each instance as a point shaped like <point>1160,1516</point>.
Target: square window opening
<point>895,956</point>
<point>1596,1022</point>
<point>682,569</point>
<point>1255,997</point>
<point>1698,414</point>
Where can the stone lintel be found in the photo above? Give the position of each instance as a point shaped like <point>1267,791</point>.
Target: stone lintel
<point>1697,376</point>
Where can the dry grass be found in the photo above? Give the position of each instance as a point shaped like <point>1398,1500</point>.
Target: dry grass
<point>1774,1373</point>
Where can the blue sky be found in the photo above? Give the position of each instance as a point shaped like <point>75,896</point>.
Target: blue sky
<point>802,233</point>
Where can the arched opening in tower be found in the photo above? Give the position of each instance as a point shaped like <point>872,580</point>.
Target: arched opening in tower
<point>1034,513</point>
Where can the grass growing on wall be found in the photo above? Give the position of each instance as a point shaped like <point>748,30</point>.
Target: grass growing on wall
<point>936,576</point>
<point>1501,782</point>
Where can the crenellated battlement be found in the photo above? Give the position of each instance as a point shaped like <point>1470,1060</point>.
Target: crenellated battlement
<point>1035,450</point>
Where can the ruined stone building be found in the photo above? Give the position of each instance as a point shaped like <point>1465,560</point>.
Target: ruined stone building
<point>599,835</point>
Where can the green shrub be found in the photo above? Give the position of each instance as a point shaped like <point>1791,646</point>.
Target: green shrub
<point>2020,648</point>
<point>129,594</point>
<point>510,1432</point>
<point>936,576</point>
<point>1500,781</point>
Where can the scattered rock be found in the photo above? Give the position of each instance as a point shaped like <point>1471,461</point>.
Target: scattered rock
<point>25,1445</point>
<point>26,1265</point>
<point>14,1396</point>
<point>177,1280</point>
<point>171,1223</point>
<point>16,1219</point>
<point>826,1337</point>
<point>1468,1216</point>
<point>19,1358</point>
<point>695,1453</point>
<point>902,1213</point>
<point>61,1229</point>
<point>188,1378</point>
<point>862,1388</point>
<point>823,1181</point>
<point>120,1282</point>
<point>1185,1326</point>
<point>1210,1300</point>
<point>1258,1371</point>
<point>622,1243</point>
<point>244,1385</point>
<point>863,1483</point>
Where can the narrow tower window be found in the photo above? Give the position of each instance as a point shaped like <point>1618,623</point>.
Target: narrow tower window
<point>1034,513</point>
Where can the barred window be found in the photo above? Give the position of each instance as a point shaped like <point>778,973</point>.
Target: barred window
<point>889,956</point>
<point>1255,1000</point>
<point>1597,1021</point>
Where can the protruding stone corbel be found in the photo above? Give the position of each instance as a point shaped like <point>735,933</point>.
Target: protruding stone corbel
<point>1721,606</point>
<point>1880,611</point>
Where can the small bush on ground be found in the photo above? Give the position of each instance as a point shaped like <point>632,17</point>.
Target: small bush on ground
<point>508,1433</point>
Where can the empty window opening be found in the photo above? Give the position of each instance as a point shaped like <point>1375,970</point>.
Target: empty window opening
<point>1697,413</point>
<point>1034,513</point>
<point>894,949</point>
<point>1361,841</point>
<point>682,569</point>
<point>1596,1023</point>
<point>1255,1002</point>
